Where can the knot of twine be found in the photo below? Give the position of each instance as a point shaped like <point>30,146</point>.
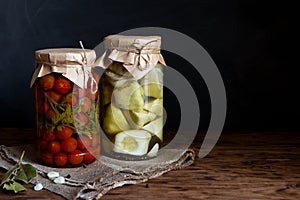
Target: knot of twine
<point>143,49</point>
<point>139,54</point>
<point>87,70</point>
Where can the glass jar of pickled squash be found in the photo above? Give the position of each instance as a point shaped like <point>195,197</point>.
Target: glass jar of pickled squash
<point>66,104</point>
<point>132,96</point>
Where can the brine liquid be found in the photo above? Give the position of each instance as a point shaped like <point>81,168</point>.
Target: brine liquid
<point>132,112</point>
<point>67,122</point>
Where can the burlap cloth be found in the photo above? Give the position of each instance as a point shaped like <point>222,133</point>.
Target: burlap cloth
<point>96,179</point>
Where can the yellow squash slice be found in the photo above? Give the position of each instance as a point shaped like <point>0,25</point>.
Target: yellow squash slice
<point>154,106</point>
<point>129,95</point>
<point>155,127</point>
<point>153,83</point>
<point>138,119</point>
<point>114,121</point>
<point>107,93</point>
<point>133,142</point>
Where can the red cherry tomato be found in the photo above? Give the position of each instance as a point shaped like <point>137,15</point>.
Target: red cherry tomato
<point>47,158</point>
<point>47,82</point>
<point>82,118</point>
<point>54,96</point>
<point>70,99</point>
<point>60,159</point>
<point>64,133</point>
<point>43,107</point>
<point>69,144</point>
<point>83,142</point>
<point>53,147</point>
<point>48,136</point>
<point>88,158</point>
<point>42,144</point>
<point>50,114</point>
<point>75,157</point>
<point>62,85</point>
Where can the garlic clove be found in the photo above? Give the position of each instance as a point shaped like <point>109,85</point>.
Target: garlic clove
<point>38,187</point>
<point>59,180</point>
<point>52,175</point>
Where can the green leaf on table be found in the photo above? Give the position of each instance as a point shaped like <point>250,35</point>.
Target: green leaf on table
<point>10,174</point>
<point>13,185</point>
<point>21,175</point>
<point>26,173</point>
<point>18,172</point>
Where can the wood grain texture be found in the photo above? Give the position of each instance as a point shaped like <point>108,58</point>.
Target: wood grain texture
<point>243,165</point>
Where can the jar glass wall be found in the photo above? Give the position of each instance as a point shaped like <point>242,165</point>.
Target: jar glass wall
<point>132,112</point>
<point>66,115</point>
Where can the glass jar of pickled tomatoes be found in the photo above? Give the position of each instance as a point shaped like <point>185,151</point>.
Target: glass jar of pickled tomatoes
<point>66,104</point>
<point>132,96</point>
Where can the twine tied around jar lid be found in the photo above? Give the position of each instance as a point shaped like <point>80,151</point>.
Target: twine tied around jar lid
<point>73,63</point>
<point>87,69</point>
<point>138,54</point>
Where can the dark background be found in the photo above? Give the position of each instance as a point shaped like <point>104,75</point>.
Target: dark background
<point>248,40</point>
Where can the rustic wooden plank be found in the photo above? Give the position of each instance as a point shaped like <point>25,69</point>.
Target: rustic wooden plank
<point>247,165</point>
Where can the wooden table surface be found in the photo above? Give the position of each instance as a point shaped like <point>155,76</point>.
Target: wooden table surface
<point>243,165</point>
